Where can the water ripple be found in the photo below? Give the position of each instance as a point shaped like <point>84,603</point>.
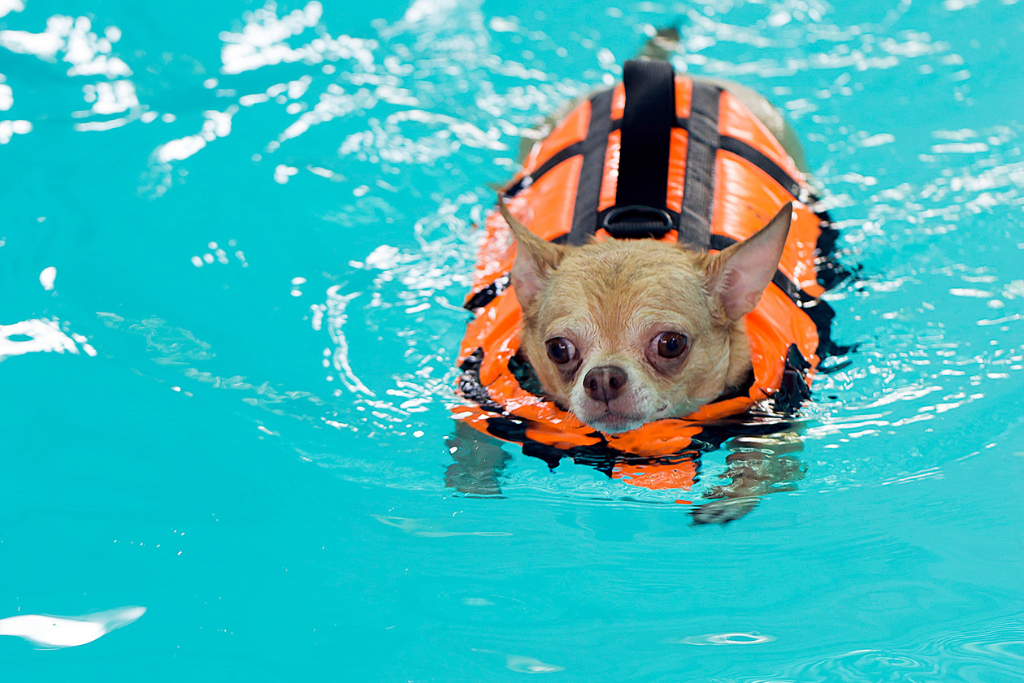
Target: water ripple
<point>991,652</point>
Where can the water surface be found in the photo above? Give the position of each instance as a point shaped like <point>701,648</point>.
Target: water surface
<point>234,243</point>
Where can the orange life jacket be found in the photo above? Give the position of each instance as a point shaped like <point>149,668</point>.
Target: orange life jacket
<point>661,156</point>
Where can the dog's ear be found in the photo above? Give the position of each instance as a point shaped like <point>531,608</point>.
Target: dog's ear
<point>535,260</point>
<point>737,275</point>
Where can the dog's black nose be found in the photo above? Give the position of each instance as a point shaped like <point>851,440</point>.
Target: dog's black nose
<point>604,383</point>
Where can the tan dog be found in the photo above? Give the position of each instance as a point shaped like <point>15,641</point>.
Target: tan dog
<point>624,332</point>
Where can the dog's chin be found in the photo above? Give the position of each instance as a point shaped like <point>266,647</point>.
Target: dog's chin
<point>614,423</point>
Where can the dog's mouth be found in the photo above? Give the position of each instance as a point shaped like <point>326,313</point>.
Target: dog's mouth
<point>613,423</point>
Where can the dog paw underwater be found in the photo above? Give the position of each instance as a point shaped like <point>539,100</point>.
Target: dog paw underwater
<point>649,290</point>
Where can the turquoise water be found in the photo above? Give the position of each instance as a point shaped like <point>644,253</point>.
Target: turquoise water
<point>234,240</point>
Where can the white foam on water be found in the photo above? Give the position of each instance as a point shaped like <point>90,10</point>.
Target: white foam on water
<point>529,665</point>
<point>43,45</point>
<point>261,41</point>
<point>44,335</point>
<point>60,632</point>
<point>111,98</point>
<point>727,639</point>
<point>216,125</point>
<point>87,53</point>
<point>7,6</point>
<point>47,277</point>
<point>9,129</point>
<point>282,172</point>
<point>181,148</point>
<point>6,94</point>
<point>102,125</point>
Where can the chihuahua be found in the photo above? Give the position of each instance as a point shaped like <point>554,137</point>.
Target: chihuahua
<point>626,332</point>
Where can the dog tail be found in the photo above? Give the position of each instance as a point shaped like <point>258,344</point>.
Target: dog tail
<point>661,46</point>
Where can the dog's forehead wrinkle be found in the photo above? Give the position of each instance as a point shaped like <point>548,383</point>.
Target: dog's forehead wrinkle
<point>563,322</point>
<point>614,293</point>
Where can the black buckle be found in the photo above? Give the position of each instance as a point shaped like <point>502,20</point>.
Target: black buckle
<point>633,222</point>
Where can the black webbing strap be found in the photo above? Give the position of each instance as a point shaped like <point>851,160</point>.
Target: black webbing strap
<point>725,143</point>
<point>764,162</point>
<point>647,120</point>
<point>699,187</point>
<point>588,192</point>
<point>558,157</point>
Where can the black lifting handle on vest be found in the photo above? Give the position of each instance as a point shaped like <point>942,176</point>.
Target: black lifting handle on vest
<point>647,119</point>
<point>635,222</point>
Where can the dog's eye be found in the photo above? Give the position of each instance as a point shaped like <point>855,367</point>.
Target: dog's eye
<point>561,350</point>
<point>672,344</point>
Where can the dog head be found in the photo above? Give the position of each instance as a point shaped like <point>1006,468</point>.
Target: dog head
<point>624,332</point>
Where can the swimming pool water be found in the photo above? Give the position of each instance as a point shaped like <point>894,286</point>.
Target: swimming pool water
<point>234,243</point>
